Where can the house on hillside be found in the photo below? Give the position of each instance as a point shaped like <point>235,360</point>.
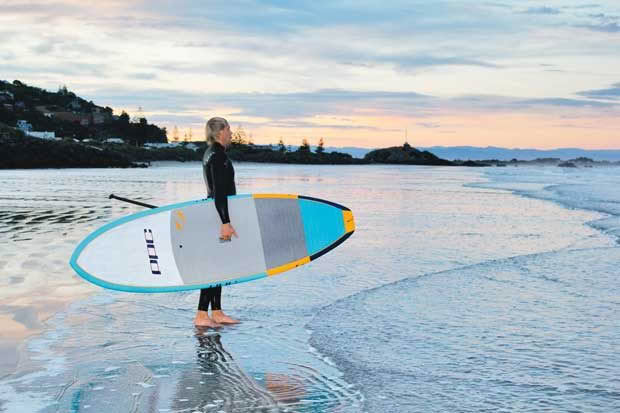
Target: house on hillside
<point>156,145</point>
<point>68,116</point>
<point>98,118</point>
<point>51,136</point>
<point>75,105</point>
<point>7,95</point>
<point>24,126</point>
<point>114,140</point>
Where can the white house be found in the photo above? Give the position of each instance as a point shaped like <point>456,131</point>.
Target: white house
<point>42,135</point>
<point>75,104</point>
<point>7,93</point>
<point>158,145</point>
<point>24,126</point>
<point>114,140</point>
<point>162,145</point>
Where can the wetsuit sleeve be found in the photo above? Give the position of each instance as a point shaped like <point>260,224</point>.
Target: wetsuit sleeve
<point>218,174</point>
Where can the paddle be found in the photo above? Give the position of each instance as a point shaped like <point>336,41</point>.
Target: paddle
<point>131,201</point>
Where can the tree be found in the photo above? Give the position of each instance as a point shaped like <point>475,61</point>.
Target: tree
<point>250,140</point>
<point>305,146</point>
<point>124,117</point>
<point>281,146</point>
<point>190,136</point>
<point>239,136</point>
<point>320,149</point>
<point>175,133</point>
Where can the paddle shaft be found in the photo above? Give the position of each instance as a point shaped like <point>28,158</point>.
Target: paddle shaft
<point>131,201</point>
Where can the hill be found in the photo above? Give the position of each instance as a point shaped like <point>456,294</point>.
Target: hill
<point>404,155</point>
<point>70,116</point>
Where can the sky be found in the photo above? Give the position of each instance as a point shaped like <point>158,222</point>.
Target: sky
<point>517,74</point>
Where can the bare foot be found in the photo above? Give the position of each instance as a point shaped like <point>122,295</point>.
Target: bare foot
<point>219,317</point>
<point>202,320</point>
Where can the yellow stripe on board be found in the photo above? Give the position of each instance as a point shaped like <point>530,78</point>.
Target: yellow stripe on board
<point>289,196</point>
<point>349,222</point>
<point>289,266</point>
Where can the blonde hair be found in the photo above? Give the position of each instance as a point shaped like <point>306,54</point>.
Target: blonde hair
<point>214,127</point>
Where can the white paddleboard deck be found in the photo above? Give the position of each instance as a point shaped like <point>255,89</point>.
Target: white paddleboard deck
<point>177,247</point>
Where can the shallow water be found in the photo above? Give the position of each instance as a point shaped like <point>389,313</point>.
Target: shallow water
<point>454,294</point>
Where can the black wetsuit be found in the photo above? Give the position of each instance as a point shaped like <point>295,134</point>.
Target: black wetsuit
<point>219,176</point>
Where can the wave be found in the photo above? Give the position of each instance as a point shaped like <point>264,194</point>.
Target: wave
<point>503,333</point>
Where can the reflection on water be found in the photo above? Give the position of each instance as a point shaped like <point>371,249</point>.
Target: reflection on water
<point>111,354</point>
<point>218,383</point>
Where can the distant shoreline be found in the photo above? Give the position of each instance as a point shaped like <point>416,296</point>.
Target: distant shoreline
<point>25,152</point>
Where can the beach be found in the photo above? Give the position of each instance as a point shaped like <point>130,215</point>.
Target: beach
<point>462,289</point>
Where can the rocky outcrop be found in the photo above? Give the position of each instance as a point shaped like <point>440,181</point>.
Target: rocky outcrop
<point>404,155</point>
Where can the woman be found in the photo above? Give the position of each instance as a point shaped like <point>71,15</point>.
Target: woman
<point>219,176</point>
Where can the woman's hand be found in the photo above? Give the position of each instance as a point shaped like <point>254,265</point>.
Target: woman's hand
<point>227,231</point>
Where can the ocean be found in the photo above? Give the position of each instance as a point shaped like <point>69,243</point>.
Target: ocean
<point>462,290</point>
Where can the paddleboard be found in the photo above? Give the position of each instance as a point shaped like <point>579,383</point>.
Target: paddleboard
<point>177,247</point>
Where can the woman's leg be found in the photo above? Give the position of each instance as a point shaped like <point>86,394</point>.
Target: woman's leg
<point>202,316</point>
<point>216,309</point>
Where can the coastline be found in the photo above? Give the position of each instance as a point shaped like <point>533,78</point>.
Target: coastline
<point>538,189</point>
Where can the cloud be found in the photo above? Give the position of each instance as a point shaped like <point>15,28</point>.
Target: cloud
<point>507,103</point>
<point>408,62</point>
<point>562,102</point>
<point>605,23</point>
<point>44,47</point>
<point>542,10</point>
<point>606,28</point>
<point>142,76</point>
<point>584,6</point>
<point>429,125</point>
<point>298,124</point>
<point>612,93</point>
<point>290,110</point>
<point>499,5</point>
<point>17,71</point>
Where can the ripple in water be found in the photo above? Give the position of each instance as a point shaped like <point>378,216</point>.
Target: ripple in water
<point>533,333</point>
